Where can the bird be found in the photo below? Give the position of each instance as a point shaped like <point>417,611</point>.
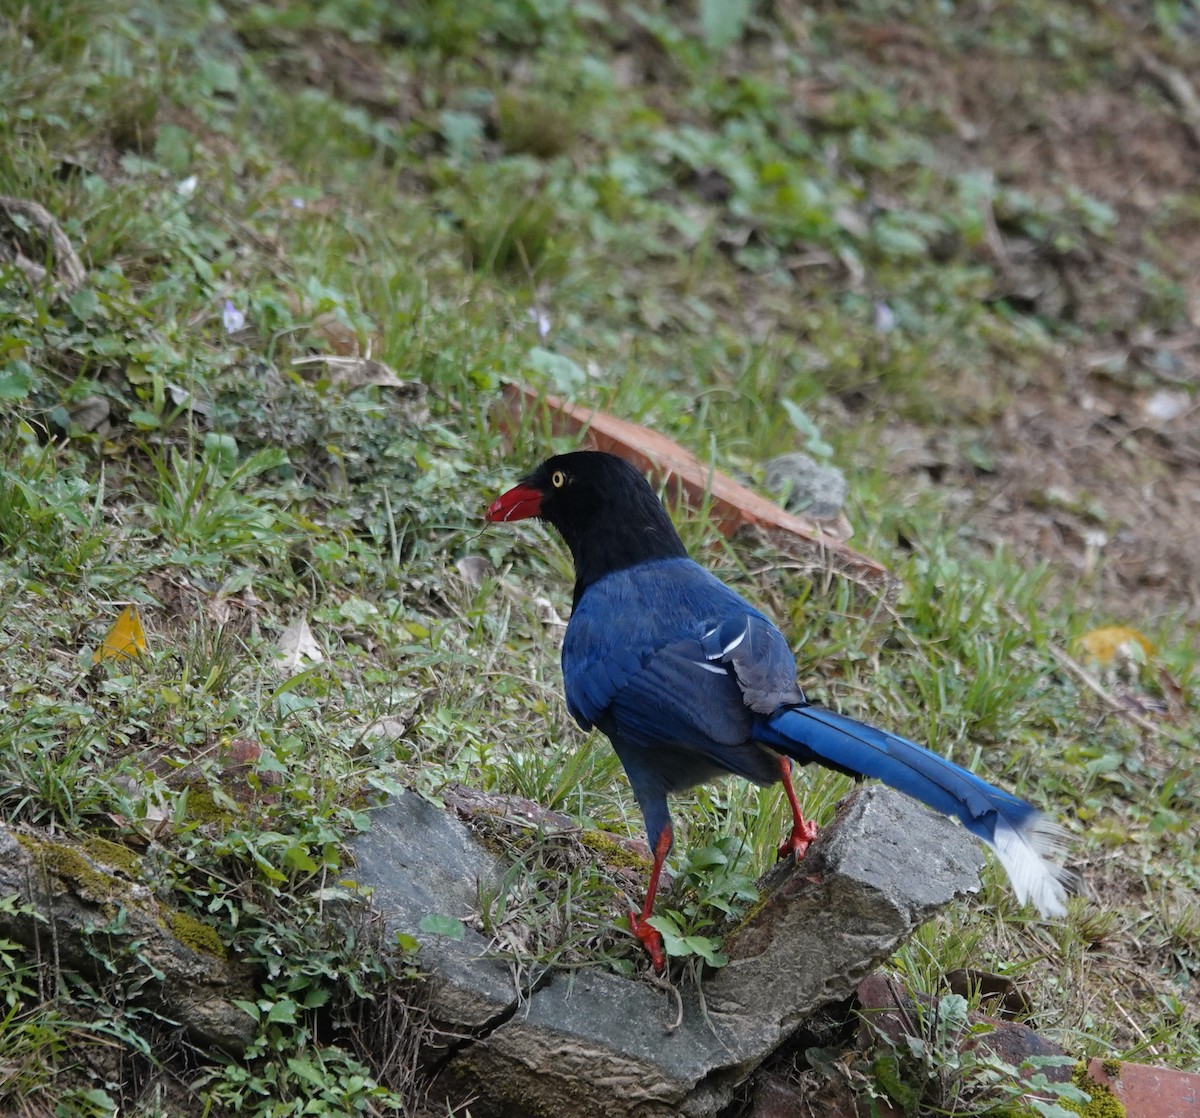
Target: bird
<point>690,682</point>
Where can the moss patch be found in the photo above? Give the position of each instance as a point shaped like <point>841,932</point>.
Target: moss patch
<point>614,852</point>
<point>71,865</point>
<point>1103,1103</point>
<point>202,808</point>
<point>113,854</point>
<point>194,934</point>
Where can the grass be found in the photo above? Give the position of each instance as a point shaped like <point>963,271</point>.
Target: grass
<point>709,217</point>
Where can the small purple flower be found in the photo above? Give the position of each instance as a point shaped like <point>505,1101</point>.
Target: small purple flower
<point>885,317</point>
<point>232,318</point>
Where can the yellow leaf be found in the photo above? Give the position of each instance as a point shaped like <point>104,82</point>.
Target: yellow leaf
<point>1105,645</point>
<point>125,639</point>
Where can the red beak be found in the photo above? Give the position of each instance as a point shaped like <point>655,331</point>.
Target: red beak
<point>519,503</point>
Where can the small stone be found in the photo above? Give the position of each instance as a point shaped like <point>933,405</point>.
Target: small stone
<point>91,414</point>
<point>806,486</point>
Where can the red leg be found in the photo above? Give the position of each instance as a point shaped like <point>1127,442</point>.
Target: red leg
<point>803,832</point>
<point>651,940</point>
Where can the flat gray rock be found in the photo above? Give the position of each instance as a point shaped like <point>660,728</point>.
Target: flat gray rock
<point>589,1044</point>
<point>596,1044</point>
<point>420,861</point>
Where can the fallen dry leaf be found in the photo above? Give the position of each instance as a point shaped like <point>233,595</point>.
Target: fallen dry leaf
<point>182,398</point>
<point>473,569</point>
<point>357,372</point>
<point>547,614</point>
<point>240,775</point>
<point>390,727</point>
<point>26,227</point>
<point>341,338</point>
<point>296,644</point>
<point>219,609</point>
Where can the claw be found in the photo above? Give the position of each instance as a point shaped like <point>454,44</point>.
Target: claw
<point>650,939</point>
<point>797,843</point>
<point>803,831</point>
<point>646,935</point>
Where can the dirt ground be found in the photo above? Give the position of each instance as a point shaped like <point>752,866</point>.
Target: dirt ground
<point>1095,466</point>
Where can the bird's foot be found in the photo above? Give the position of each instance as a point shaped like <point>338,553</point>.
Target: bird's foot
<point>650,939</point>
<point>796,845</point>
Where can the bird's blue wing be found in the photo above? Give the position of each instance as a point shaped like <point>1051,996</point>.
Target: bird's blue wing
<point>679,698</point>
<point>757,654</point>
<point>674,658</point>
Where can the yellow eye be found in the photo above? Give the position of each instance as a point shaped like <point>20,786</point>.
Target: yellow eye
<point>558,479</point>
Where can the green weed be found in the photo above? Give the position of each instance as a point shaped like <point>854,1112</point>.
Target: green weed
<point>742,227</point>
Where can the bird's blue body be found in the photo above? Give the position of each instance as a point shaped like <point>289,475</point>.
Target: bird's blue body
<point>690,682</point>
<point>634,666</point>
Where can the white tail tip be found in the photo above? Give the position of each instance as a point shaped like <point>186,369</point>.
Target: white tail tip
<point>1027,856</point>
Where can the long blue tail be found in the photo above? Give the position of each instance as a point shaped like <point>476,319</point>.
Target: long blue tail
<point>1023,839</point>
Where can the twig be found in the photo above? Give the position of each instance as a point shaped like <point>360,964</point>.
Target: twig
<point>1073,667</point>
<point>995,240</point>
<point>1151,1048</point>
<point>69,272</point>
<point>1090,681</point>
<point>1177,87</point>
<point>664,983</point>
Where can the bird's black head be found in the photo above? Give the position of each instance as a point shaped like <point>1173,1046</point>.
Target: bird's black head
<point>604,509</point>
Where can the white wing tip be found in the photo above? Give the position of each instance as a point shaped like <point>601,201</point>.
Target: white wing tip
<point>1027,855</point>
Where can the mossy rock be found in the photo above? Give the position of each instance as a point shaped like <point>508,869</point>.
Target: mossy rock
<point>72,864</point>
<point>113,854</point>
